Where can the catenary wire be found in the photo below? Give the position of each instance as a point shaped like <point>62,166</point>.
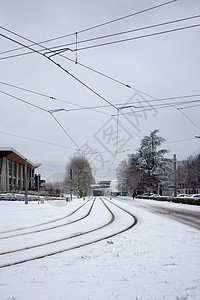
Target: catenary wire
<point>36,140</point>
<point>143,108</point>
<point>191,106</point>
<point>158,106</point>
<point>71,74</point>
<point>126,85</point>
<point>112,78</point>
<point>65,131</point>
<point>189,119</point>
<point>41,108</point>
<point>24,101</point>
<point>137,37</point>
<point>59,48</point>
<point>54,62</point>
<point>80,107</point>
<point>50,97</point>
<point>98,25</point>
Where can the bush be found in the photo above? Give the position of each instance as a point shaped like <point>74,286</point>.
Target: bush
<point>190,201</point>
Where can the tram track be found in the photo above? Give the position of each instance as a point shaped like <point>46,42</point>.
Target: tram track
<point>111,220</point>
<point>52,221</point>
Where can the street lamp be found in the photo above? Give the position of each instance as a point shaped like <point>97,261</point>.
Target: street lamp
<point>197,136</point>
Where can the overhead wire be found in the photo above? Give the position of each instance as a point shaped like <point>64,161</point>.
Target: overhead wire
<point>24,101</point>
<point>97,26</point>
<point>59,51</point>
<point>65,70</point>
<point>144,108</point>
<point>54,62</point>
<point>44,110</point>
<point>189,106</point>
<point>189,119</point>
<point>120,33</point>
<point>36,140</point>
<point>157,106</point>
<point>50,97</point>
<point>151,96</point>
<point>137,37</point>
<point>118,105</point>
<point>65,131</point>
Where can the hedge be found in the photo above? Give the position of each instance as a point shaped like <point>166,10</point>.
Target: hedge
<point>189,200</point>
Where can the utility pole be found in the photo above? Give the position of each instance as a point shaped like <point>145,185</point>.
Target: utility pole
<point>38,188</point>
<point>175,176</point>
<point>26,182</point>
<point>71,184</point>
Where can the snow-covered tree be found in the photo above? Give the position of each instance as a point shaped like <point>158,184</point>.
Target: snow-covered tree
<point>147,167</point>
<point>149,158</point>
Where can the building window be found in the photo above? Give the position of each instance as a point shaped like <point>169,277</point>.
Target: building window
<point>1,163</point>
<point>19,171</point>
<point>10,168</point>
<point>15,169</point>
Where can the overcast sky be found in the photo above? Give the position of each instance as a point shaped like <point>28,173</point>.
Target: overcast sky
<point>156,67</point>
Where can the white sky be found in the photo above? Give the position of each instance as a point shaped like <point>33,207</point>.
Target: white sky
<point>162,66</point>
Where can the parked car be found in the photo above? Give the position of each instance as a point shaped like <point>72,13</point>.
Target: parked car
<point>148,194</point>
<point>182,196</point>
<point>195,196</point>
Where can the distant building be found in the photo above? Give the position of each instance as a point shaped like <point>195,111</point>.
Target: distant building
<point>12,170</point>
<point>105,188</point>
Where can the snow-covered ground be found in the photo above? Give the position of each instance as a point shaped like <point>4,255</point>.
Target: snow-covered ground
<point>156,259</point>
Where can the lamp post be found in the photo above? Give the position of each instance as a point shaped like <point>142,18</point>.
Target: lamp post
<point>26,181</point>
<point>71,184</point>
<point>175,176</point>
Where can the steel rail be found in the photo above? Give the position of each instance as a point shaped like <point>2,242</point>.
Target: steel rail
<point>52,221</point>
<point>77,235</point>
<point>54,227</point>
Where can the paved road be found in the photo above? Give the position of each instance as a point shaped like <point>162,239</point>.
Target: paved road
<point>187,217</point>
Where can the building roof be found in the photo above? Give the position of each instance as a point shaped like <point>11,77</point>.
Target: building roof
<point>16,157</point>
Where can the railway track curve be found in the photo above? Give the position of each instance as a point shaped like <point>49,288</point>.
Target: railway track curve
<point>114,215</point>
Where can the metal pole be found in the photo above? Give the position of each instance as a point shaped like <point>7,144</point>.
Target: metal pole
<point>175,176</point>
<point>71,189</point>
<point>26,182</point>
<point>38,187</point>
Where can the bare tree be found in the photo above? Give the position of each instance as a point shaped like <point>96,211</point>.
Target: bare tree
<point>82,177</point>
<point>128,175</point>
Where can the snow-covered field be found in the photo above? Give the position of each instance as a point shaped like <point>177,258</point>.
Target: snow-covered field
<point>157,259</point>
